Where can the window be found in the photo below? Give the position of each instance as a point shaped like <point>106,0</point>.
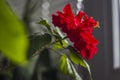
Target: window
<point>116,34</point>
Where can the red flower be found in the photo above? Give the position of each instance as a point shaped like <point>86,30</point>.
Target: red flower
<point>79,30</point>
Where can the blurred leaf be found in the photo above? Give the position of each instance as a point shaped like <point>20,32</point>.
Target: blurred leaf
<point>58,33</point>
<point>63,64</point>
<point>38,41</point>
<point>13,39</point>
<point>67,67</point>
<point>77,59</point>
<point>60,44</point>
<point>88,68</point>
<point>46,24</point>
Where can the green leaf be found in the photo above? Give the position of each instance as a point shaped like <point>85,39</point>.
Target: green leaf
<point>67,67</point>
<point>13,38</point>
<point>38,41</point>
<point>60,40</point>
<point>63,64</point>
<point>77,59</point>
<point>59,44</point>
<point>46,24</point>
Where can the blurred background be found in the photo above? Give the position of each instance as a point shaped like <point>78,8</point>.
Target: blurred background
<point>106,63</point>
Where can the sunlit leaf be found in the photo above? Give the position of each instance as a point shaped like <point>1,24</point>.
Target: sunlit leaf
<point>60,44</point>
<point>38,41</point>
<point>67,67</point>
<point>63,64</point>
<point>13,38</point>
<point>60,40</point>
<point>77,59</point>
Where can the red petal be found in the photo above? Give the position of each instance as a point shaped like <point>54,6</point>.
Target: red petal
<point>68,11</point>
<point>80,16</point>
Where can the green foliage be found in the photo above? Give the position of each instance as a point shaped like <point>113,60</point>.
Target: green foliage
<point>14,44</point>
<point>46,24</point>
<point>13,39</point>
<point>66,64</point>
<point>67,67</point>
<point>37,42</point>
<point>63,64</point>
<point>77,59</point>
<point>60,44</point>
